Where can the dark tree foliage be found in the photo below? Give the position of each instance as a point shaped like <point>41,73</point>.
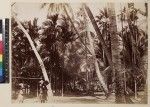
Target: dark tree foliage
<point>51,40</point>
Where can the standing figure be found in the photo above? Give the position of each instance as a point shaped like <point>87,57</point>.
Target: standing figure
<point>21,93</point>
<point>43,91</point>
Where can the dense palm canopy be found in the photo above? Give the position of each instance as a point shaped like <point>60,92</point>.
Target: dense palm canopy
<point>64,44</point>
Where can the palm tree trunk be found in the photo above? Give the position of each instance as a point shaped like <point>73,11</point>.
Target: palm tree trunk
<point>98,33</point>
<point>146,82</point>
<point>62,84</point>
<point>91,50</point>
<point>37,56</point>
<point>135,88</point>
<point>116,58</point>
<point>98,72</point>
<point>100,77</point>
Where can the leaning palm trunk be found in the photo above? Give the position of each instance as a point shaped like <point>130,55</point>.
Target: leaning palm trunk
<point>116,58</point>
<point>37,56</point>
<point>107,53</point>
<point>98,72</point>
<point>99,75</point>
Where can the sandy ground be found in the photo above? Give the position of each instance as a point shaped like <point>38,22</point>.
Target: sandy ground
<point>99,99</point>
<point>74,100</point>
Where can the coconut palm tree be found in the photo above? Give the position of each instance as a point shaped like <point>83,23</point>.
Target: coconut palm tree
<point>107,53</point>
<point>135,48</point>
<point>116,58</point>
<point>63,6</point>
<point>36,54</point>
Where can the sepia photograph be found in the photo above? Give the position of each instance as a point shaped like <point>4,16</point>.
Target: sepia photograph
<point>79,53</point>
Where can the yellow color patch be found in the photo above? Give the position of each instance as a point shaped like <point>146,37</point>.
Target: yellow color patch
<point>1,57</point>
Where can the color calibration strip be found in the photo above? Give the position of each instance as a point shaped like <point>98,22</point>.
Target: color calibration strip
<point>4,50</point>
<point>1,53</point>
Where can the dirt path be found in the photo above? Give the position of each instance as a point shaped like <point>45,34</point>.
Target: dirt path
<point>74,100</point>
